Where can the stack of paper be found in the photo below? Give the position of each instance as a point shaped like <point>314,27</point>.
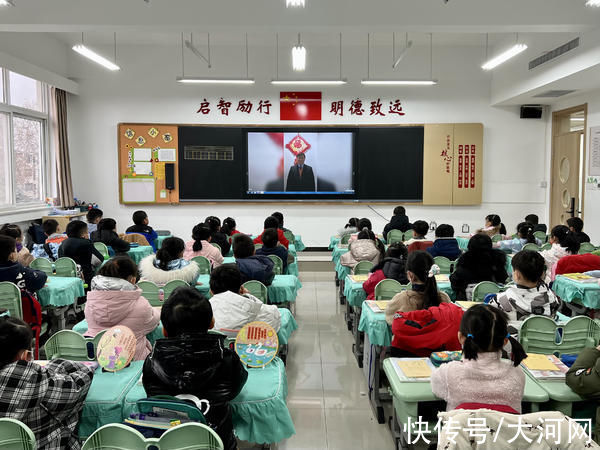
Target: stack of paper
<point>581,277</point>
<point>378,306</point>
<point>359,278</point>
<point>545,367</point>
<point>413,370</point>
<point>466,305</point>
<point>441,278</point>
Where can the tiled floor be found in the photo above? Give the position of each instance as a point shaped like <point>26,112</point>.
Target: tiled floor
<point>327,391</point>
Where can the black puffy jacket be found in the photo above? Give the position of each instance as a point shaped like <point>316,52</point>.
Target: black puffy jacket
<point>221,239</point>
<point>394,268</point>
<point>111,239</point>
<point>200,365</point>
<point>399,222</point>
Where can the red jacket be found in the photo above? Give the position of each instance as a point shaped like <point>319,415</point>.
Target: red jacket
<point>369,285</point>
<point>577,263</point>
<point>419,245</point>
<point>282,238</point>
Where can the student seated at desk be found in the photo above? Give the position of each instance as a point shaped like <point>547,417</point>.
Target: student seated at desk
<point>93,216</point>
<point>233,306</point>
<point>424,294</point>
<point>271,247</point>
<point>201,246</point>
<point>530,295</point>
<point>14,231</point>
<point>13,271</point>
<point>140,226</point>
<point>229,227</point>
<point>366,248</point>
<point>575,224</point>
<point>399,221</point>
<point>217,236</point>
<point>482,379</point>
<point>107,234</point>
<point>54,237</point>
<point>534,220</point>
<point>419,240</point>
<point>524,236</point>
<point>168,264</point>
<point>272,222</point>
<point>192,361</point>
<point>47,399</point>
<point>445,244</point>
<point>114,299</point>
<point>349,228</point>
<point>393,266</point>
<point>563,243</point>
<point>279,217</point>
<point>361,225</point>
<point>80,249</point>
<point>252,267</point>
<point>493,226</point>
<point>479,263</point>
<point>584,375</point>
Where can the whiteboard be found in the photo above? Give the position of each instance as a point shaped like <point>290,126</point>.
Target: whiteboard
<point>137,190</point>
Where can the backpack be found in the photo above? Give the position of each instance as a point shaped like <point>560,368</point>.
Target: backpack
<point>32,315</point>
<point>424,331</point>
<point>36,235</point>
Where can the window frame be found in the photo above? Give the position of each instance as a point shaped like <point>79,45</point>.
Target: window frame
<point>44,118</point>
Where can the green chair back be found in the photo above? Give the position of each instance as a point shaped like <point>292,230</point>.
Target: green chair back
<point>10,299</point>
<point>289,236</point>
<point>394,236</point>
<point>345,239</point>
<point>546,246</point>
<point>541,236</point>
<point>103,249</point>
<point>216,245</point>
<point>586,247</point>
<point>277,264</point>
<point>151,292</point>
<point>15,435</point>
<point>531,246</point>
<point>386,289</point>
<point>203,263</point>
<point>446,266</point>
<point>190,436</point>
<point>363,267</point>
<point>171,286</point>
<point>257,289</point>
<point>408,235</point>
<point>484,288</point>
<point>540,334</point>
<point>115,436</point>
<point>43,264</point>
<point>257,246</point>
<point>497,238</point>
<point>65,267</point>
<point>68,344</point>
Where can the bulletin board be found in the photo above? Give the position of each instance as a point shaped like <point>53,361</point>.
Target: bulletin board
<point>144,149</point>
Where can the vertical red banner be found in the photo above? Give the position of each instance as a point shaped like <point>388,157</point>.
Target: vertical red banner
<point>466,174</point>
<point>473,148</point>
<point>460,166</point>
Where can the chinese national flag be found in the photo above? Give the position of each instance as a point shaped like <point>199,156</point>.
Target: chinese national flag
<point>300,106</point>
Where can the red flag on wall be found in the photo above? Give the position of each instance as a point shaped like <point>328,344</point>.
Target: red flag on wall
<point>300,106</point>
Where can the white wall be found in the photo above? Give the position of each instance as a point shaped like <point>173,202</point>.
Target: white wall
<point>145,91</point>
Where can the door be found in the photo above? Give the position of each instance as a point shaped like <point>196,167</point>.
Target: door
<point>564,198</point>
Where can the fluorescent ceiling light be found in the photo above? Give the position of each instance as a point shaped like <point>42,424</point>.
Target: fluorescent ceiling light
<point>6,3</point>
<point>310,82</point>
<point>299,58</point>
<point>503,57</point>
<point>592,3</point>
<point>294,3</point>
<point>98,59</point>
<point>192,80</point>
<point>399,82</point>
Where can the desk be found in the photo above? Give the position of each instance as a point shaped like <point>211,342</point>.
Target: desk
<point>60,291</point>
<point>260,414</point>
<point>569,290</point>
<point>337,253</point>
<point>333,241</point>
<point>159,240</point>
<point>298,243</point>
<point>463,242</point>
<point>561,396</point>
<point>139,253</point>
<point>283,289</point>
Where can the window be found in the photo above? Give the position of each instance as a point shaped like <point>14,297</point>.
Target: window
<point>23,140</point>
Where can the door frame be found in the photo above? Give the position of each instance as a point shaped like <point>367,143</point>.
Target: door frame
<point>557,117</point>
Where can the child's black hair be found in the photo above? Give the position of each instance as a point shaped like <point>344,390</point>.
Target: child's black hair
<point>399,211</point>
<point>576,223</point>
<point>270,238</point>
<point>171,249</point>
<point>419,263</point>
<point>533,219</point>
<point>186,311</point>
<point>397,250</point>
<point>525,231</point>
<point>8,245</point>
<point>200,232</point>
<point>76,228</point>
<point>243,247</point>
<point>228,226</point>
<point>139,217</point>
<point>421,228</point>
<point>279,217</point>
<point>271,222</point>
<point>566,238</point>
<point>12,230</point>
<point>485,327</point>
<point>107,224</point>
<point>496,221</point>
<point>96,213</point>
<point>214,223</point>
<point>444,231</point>
<point>531,265</point>
<point>226,277</point>
<point>50,226</point>
<point>352,223</point>
<point>15,335</point>
<point>121,266</point>
<point>364,223</point>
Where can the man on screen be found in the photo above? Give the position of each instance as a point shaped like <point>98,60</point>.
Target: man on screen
<point>300,176</point>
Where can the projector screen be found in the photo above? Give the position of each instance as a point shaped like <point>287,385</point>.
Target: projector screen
<point>299,163</point>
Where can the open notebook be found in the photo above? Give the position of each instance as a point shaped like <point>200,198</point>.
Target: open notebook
<point>545,367</point>
<point>413,370</point>
<point>378,306</point>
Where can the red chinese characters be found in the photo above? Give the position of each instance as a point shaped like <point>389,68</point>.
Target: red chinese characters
<point>356,108</point>
<point>337,108</point>
<point>264,107</point>
<point>447,158</point>
<point>245,106</point>
<point>224,106</point>
<point>396,108</point>
<point>376,108</point>
<point>204,107</point>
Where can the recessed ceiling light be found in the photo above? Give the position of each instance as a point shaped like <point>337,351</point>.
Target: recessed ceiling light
<point>294,3</point>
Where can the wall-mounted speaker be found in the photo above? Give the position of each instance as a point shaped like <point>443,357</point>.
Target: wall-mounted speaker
<point>531,111</point>
<point>170,176</point>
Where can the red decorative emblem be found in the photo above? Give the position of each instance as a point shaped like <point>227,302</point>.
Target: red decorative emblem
<point>298,145</point>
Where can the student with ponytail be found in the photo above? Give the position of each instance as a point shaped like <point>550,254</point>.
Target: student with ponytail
<point>524,236</point>
<point>424,294</point>
<point>482,379</point>
<point>564,243</point>
<point>493,226</point>
<point>168,264</point>
<point>201,246</point>
<point>365,248</point>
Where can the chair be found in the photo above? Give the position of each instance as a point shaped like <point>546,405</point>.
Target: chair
<point>257,246</point>
<point>43,264</point>
<point>345,239</point>
<point>217,246</point>
<point>15,435</point>
<point>191,436</point>
<point>386,289</point>
<point>586,247</point>
<point>540,334</point>
<point>532,247</point>
<point>408,235</point>
<point>135,238</point>
<point>277,264</point>
<point>10,299</point>
<point>543,238</point>
<point>103,249</point>
<point>151,292</point>
<point>171,286</point>
<point>497,238</point>
<point>363,268</point>
<point>257,289</point>
<point>65,267</point>
<point>394,236</point>
<point>203,263</point>
<point>71,345</point>
<point>484,288</point>
<point>446,266</point>
<point>546,246</point>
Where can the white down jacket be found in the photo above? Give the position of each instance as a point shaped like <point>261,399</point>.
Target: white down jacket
<point>232,311</point>
<point>361,250</point>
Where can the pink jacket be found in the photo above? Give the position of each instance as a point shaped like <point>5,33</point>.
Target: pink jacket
<point>209,251</point>
<point>113,301</point>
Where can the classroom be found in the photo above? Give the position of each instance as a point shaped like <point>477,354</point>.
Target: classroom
<point>299,224</point>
